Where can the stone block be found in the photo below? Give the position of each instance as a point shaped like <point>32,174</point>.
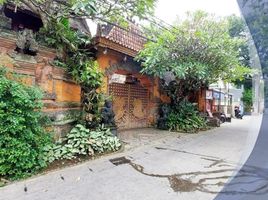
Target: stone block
<point>27,80</point>
<point>67,92</point>
<point>213,122</point>
<point>59,131</point>
<point>5,60</point>
<point>61,117</point>
<point>63,121</point>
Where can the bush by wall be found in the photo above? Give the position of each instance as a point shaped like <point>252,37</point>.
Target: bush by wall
<point>247,99</point>
<point>82,141</point>
<point>185,117</point>
<point>22,138</point>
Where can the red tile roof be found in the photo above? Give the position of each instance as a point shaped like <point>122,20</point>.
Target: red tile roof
<point>131,38</point>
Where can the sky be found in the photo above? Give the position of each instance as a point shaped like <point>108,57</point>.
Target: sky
<point>169,10</point>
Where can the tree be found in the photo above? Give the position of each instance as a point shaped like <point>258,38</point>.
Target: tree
<point>238,29</point>
<point>54,12</point>
<point>107,10</point>
<point>194,53</point>
<point>255,14</point>
<point>247,99</point>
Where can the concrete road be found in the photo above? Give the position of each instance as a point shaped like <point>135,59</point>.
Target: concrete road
<point>178,166</point>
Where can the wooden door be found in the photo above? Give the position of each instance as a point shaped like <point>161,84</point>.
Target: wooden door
<point>130,105</point>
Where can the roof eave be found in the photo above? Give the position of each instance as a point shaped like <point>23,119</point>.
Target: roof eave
<point>106,43</point>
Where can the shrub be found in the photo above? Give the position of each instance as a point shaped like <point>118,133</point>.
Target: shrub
<point>104,141</point>
<point>82,141</point>
<point>77,142</point>
<point>247,99</point>
<point>22,138</point>
<point>185,117</point>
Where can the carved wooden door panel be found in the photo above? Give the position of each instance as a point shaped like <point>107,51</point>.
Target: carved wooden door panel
<point>138,106</point>
<point>120,93</point>
<point>130,105</point>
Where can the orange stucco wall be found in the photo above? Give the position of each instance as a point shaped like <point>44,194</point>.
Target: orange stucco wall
<point>151,84</point>
<point>202,100</point>
<point>104,61</point>
<point>37,71</point>
<point>67,92</point>
<point>61,95</point>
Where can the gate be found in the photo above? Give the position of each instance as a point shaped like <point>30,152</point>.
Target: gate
<point>130,105</point>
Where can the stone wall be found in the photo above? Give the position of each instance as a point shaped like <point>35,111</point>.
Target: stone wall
<point>62,95</point>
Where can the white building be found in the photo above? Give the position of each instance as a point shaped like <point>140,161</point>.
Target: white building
<point>226,96</point>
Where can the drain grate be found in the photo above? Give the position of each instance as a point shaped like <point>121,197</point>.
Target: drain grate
<point>119,161</point>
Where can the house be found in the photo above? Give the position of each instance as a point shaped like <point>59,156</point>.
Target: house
<point>226,96</point>
<point>136,97</point>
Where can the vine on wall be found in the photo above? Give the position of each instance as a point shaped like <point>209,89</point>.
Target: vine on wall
<point>75,56</point>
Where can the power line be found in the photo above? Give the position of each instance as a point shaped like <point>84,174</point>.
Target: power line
<point>154,20</point>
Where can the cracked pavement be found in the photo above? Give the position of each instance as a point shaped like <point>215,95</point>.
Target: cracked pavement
<point>172,166</point>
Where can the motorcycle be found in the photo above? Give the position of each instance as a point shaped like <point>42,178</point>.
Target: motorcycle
<point>238,113</point>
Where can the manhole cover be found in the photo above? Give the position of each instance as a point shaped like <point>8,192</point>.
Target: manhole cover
<point>119,161</point>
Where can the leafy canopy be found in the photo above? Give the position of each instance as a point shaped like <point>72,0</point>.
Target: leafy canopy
<point>238,29</point>
<point>107,10</point>
<point>199,48</point>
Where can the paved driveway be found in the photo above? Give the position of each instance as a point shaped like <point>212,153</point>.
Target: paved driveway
<point>175,166</point>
